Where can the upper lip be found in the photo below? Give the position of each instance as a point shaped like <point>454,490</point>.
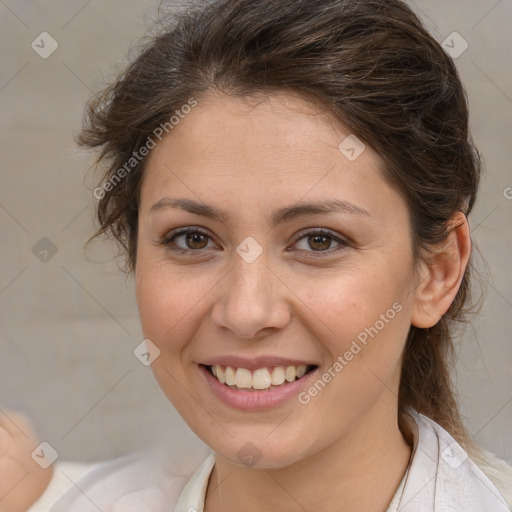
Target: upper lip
<point>255,362</point>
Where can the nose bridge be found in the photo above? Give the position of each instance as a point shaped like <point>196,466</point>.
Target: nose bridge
<point>252,281</point>
<point>251,299</point>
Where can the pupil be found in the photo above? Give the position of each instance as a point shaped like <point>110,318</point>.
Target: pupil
<point>324,245</point>
<point>194,238</point>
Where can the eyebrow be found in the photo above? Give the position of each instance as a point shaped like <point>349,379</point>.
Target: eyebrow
<point>282,215</point>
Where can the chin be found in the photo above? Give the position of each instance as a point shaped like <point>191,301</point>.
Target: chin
<point>257,452</point>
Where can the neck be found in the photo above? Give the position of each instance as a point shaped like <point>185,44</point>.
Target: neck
<point>373,455</point>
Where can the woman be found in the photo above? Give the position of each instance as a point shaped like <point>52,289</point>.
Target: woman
<point>290,182</point>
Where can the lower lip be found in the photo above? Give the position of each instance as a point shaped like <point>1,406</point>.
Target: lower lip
<point>256,400</point>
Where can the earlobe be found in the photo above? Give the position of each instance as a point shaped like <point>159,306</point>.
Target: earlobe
<point>442,275</point>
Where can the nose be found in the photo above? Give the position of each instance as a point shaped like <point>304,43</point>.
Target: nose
<point>251,300</point>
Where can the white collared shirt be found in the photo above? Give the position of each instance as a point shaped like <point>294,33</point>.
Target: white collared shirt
<point>440,478</point>
<point>192,496</point>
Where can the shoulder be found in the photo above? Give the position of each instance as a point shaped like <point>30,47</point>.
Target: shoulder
<point>64,473</point>
<point>497,470</point>
<point>148,480</point>
<point>481,478</point>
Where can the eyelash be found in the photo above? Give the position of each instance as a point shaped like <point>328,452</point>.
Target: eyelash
<point>168,240</point>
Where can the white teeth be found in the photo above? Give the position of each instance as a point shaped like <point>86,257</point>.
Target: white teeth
<point>230,376</point>
<point>262,378</point>
<point>243,378</point>
<point>278,376</point>
<point>290,373</point>
<point>221,375</point>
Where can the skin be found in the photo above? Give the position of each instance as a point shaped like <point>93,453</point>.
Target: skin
<point>249,158</point>
<point>22,481</point>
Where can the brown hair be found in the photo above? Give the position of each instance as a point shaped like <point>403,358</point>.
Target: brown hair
<point>373,65</point>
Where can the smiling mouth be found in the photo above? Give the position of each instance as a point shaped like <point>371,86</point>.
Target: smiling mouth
<point>261,379</point>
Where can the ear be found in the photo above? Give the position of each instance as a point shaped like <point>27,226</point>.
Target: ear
<point>441,277</point>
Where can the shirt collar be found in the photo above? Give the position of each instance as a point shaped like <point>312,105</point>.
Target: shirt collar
<point>193,494</point>
<point>440,476</point>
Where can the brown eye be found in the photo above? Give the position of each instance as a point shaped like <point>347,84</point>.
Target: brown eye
<point>320,241</point>
<point>196,240</point>
<point>190,240</point>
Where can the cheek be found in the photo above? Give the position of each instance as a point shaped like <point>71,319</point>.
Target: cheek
<point>360,316</point>
<point>346,302</point>
<point>164,302</point>
<point>172,301</point>
<point>166,317</point>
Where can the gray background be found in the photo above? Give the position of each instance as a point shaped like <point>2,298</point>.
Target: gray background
<point>68,326</point>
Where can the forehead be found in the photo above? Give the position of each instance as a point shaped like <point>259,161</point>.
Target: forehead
<point>268,149</point>
<point>249,127</point>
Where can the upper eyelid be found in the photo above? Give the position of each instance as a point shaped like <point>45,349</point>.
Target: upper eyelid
<point>324,231</point>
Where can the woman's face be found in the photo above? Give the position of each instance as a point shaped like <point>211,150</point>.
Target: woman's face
<point>270,283</point>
